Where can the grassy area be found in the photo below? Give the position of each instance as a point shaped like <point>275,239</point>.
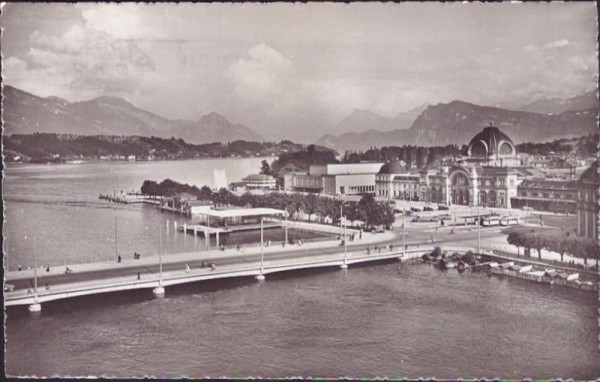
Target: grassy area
<point>547,231</point>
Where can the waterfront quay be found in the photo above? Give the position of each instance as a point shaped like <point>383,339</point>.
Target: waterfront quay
<point>158,272</point>
<point>94,278</point>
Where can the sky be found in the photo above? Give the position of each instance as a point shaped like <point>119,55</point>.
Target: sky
<point>296,70</point>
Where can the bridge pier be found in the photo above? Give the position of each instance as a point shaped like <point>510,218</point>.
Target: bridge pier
<point>344,266</point>
<point>260,277</point>
<point>35,307</point>
<point>159,291</point>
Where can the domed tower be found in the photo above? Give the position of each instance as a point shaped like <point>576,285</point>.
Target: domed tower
<point>492,147</point>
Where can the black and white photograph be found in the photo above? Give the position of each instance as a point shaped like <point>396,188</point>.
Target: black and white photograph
<point>405,190</point>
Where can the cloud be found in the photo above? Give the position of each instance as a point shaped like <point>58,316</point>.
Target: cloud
<point>557,44</point>
<point>262,77</point>
<point>126,20</point>
<point>80,63</point>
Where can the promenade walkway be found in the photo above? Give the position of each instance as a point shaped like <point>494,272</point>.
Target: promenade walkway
<point>299,258</point>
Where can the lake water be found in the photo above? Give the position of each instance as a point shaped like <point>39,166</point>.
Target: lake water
<point>59,205</point>
<point>391,320</point>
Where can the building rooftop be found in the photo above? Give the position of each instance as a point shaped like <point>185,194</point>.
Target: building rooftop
<point>549,184</point>
<point>491,141</point>
<point>260,177</point>
<point>243,212</point>
<point>393,167</point>
<point>591,175</point>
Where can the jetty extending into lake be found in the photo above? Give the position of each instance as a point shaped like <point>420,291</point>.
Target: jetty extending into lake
<point>131,198</point>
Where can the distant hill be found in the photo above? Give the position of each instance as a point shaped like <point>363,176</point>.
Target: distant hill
<point>363,120</point>
<point>49,147</point>
<point>581,102</point>
<point>25,113</point>
<point>457,122</point>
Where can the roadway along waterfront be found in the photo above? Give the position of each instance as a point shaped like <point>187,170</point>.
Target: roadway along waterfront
<point>148,267</point>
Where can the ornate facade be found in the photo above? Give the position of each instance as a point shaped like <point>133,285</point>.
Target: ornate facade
<point>482,177</point>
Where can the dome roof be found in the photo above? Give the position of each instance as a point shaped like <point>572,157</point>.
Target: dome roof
<point>491,141</point>
<point>393,167</point>
<point>591,175</point>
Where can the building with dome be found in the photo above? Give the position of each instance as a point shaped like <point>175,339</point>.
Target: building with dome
<point>491,147</point>
<point>489,175</point>
<point>396,181</point>
<point>588,202</point>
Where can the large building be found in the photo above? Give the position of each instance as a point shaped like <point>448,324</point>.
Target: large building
<point>547,195</point>
<point>335,179</point>
<point>487,175</point>
<point>588,202</point>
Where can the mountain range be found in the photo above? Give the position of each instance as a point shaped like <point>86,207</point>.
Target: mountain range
<point>359,119</point>
<point>428,125</point>
<point>457,122</point>
<point>25,113</point>
<point>580,102</point>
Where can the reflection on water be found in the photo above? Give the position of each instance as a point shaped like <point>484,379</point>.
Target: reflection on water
<point>385,320</point>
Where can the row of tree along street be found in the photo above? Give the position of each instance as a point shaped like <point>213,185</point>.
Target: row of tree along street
<point>583,248</point>
<point>367,210</point>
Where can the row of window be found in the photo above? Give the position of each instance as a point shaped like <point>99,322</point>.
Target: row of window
<point>359,189</point>
<point>547,195</point>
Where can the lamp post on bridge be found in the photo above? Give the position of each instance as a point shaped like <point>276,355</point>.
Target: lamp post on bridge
<point>261,276</point>
<point>116,241</point>
<point>159,291</point>
<point>36,307</point>
<point>286,228</point>
<point>478,224</point>
<point>403,233</point>
<point>345,264</point>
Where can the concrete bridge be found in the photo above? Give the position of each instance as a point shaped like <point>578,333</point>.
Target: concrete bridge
<point>238,267</point>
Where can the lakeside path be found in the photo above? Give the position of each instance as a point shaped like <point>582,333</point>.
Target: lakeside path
<point>417,234</point>
<point>419,237</point>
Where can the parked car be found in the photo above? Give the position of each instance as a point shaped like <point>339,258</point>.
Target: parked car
<point>443,207</point>
<point>428,208</point>
<point>415,209</point>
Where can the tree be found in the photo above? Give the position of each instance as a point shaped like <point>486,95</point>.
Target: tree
<point>517,239</point>
<point>557,244</point>
<point>374,213</point>
<point>592,250</point>
<point>310,205</point>
<point>205,193</point>
<point>265,168</point>
<point>150,187</point>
